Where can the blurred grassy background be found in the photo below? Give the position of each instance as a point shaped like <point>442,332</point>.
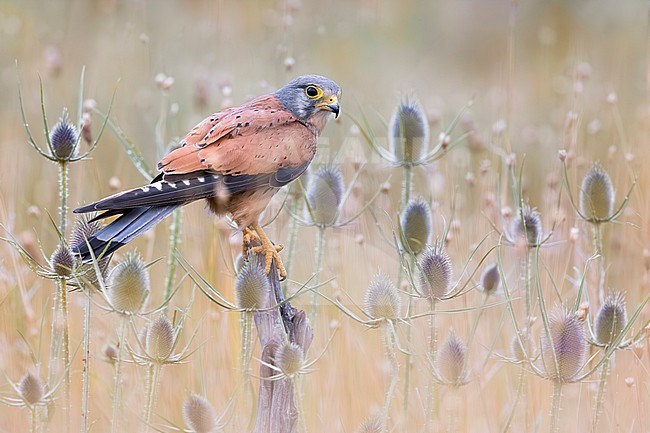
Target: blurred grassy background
<point>519,64</point>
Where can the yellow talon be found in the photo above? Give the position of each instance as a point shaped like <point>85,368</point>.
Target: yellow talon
<point>267,248</point>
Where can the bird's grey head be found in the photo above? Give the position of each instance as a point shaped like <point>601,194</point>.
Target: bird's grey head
<point>310,94</point>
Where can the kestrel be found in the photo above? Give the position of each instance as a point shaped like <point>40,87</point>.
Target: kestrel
<point>236,159</point>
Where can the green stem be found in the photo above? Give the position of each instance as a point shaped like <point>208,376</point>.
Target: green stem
<point>320,250</point>
<point>600,396</point>
<point>117,388</point>
<point>86,364</point>
<point>291,244</point>
<point>63,197</point>
<point>528,287</point>
<point>246,323</point>
<point>153,375</point>
<point>389,343</point>
<point>297,396</point>
<point>405,197</point>
<point>174,240</point>
<point>598,250</point>
<point>520,386</point>
<point>453,412</point>
<point>65,346</point>
<point>406,187</point>
<point>432,388</point>
<point>555,406</point>
<point>407,363</point>
<point>34,420</point>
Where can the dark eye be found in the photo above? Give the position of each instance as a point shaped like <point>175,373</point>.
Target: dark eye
<point>313,91</point>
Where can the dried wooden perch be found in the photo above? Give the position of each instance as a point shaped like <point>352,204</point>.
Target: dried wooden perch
<point>276,406</point>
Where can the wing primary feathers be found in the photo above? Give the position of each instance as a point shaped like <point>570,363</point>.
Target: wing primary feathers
<point>119,232</point>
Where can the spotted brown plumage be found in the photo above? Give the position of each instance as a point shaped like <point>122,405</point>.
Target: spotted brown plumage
<point>236,159</point>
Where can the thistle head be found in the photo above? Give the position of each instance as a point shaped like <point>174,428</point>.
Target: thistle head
<point>371,425</point>
<point>289,358</point>
<point>31,389</point>
<point>416,224</point>
<point>408,133</point>
<point>527,225</point>
<point>63,138</point>
<point>199,414</point>
<point>251,285</point>
<point>84,228</point>
<point>324,195</point>
<point>451,359</point>
<point>490,279</point>
<point>563,351</point>
<point>128,287</point>
<point>597,194</point>
<point>435,273</point>
<point>382,300</point>
<point>611,319</point>
<point>159,339</point>
<point>62,261</point>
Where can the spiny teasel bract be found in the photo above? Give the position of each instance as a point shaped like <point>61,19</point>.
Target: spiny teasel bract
<point>435,273</point>
<point>408,133</point>
<point>128,286</point>
<point>382,299</point>
<point>564,350</point>
<point>611,319</point>
<point>597,194</point>
<point>324,195</point>
<point>415,223</point>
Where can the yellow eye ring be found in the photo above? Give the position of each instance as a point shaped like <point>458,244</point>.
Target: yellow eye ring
<point>313,92</point>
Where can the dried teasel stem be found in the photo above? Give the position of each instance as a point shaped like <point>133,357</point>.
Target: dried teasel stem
<point>86,363</point>
<point>598,251</point>
<point>388,336</point>
<point>320,250</point>
<point>174,240</point>
<point>117,387</point>
<point>432,388</point>
<point>153,379</point>
<point>555,406</point>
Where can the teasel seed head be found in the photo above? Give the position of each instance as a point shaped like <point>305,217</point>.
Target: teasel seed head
<point>408,133</point>
<point>160,338</point>
<point>290,358</point>
<point>597,194</point>
<point>62,261</point>
<point>564,354</point>
<point>416,224</point>
<point>530,228</point>
<point>371,425</point>
<point>199,414</point>
<point>451,359</point>
<point>63,138</point>
<point>435,273</point>
<point>518,351</point>
<point>382,299</point>
<point>110,353</point>
<point>128,287</point>
<point>324,195</point>
<point>251,285</point>
<point>84,228</point>
<point>31,389</point>
<point>490,279</point>
<point>611,319</point>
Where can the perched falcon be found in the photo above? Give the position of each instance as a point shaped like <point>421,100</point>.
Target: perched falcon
<point>236,159</point>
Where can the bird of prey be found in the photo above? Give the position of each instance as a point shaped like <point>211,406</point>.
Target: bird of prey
<point>236,159</point>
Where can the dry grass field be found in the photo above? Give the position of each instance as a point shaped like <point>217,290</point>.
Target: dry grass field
<point>520,100</point>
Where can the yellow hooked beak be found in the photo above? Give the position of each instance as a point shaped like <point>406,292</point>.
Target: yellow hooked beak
<point>330,103</point>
